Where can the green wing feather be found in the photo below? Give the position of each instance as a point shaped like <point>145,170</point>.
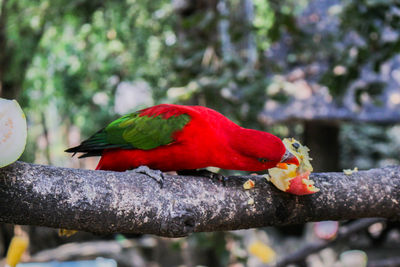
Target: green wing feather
<point>133,131</point>
<point>144,132</point>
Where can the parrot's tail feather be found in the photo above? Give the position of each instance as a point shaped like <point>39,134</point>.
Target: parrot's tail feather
<point>88,152</point>
<point>93,146</point>
<point>92,154</point>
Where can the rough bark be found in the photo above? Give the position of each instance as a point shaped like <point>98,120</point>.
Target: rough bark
<point>107,202</point>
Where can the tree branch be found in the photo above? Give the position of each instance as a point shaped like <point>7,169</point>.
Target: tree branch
<point>128,202</point>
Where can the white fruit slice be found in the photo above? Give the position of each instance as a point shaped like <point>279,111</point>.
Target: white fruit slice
<point>13,131</point>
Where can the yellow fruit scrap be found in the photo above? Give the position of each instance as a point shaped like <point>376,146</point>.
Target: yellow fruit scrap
<point>282,166</point>
<point>263,252</point>
<point>307,182</point>
<point>281,178</point>
<point>350,171</point>
<point>17,247</point>
<point>310,185</point>
<point>249,184</point>
<point>66,232</point>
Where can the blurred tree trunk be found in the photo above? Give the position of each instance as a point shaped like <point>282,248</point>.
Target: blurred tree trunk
<point>323,140</point>
<point>250,49</point>
<point>16,58</point>
<point>4,91</point>
<point>6,234</point>
<point>226,44</point>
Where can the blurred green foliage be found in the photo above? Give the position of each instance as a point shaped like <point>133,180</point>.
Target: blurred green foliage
<point>89,55</point>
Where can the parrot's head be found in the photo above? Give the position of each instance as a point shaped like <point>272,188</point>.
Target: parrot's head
<point>273,153</point>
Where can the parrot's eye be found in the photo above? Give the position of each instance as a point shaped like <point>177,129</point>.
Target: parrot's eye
<point>296,145</point>
<point>263,160</point>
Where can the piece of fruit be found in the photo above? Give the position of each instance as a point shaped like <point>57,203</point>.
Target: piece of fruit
<point>13,131</point>
<point>294,179</point>
<point>326,229</point>
<point>263,252</point>
<point>250,201</point>
<point>249,184</point>
<point>17,247</point>
<point>350,171</point>
<point>66,232</point>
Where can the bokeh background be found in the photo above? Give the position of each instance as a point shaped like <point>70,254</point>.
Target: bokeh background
<point>326,72</point>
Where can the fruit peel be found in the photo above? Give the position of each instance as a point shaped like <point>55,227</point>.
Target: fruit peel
<point>350,171</point>
<point>302,185</point>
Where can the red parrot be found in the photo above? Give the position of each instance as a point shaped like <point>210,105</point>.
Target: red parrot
<point>171,137</point>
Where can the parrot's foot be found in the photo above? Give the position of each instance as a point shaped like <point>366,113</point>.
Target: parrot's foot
<point>157,175</point>
<point>205,173</point>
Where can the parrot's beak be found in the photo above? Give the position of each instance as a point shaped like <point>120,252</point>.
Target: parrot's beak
<point>288,158</point>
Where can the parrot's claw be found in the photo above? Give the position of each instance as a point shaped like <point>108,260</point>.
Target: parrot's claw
<point>205,173</point>
<point>157,175</point>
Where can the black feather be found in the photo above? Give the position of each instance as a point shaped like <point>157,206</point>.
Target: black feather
<point>93,146</point>
<point>91,154</point>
